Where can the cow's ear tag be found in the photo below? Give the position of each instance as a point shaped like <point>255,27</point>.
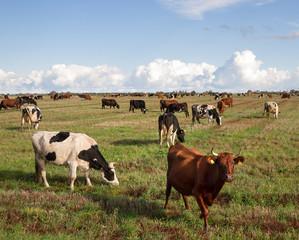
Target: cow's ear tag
<point>239,163</point>
<point>212,161</point>
<point>101,169</point>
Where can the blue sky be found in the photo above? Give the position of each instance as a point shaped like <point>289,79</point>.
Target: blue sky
<point>148,45</point>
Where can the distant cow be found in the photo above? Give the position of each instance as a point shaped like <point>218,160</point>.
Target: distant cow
<point>178,107</point>
<point>73,149</point>
<point>160,96</point>
<point>29,100</point>
<point>169,126</point>
<point>138,104</point>
<point>62,96</point>
<point>193,174</point>
<point>270,95</point>
<point>205,111</point>
<point>32,115</point>
<point>286,95</point>
<point>165,103</point>
<point>85,96</point>
<point>216,96</point>
<point>225,101</point>
<point>109,102</point>
<point>11,103</point>
<point>271,107</point>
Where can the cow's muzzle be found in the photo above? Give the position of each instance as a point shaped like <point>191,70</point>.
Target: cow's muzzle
<point>229,177</point>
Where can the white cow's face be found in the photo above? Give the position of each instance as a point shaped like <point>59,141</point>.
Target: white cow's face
<point>110,175</point>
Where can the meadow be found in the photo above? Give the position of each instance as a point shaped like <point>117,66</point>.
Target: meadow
<point>261,203</point>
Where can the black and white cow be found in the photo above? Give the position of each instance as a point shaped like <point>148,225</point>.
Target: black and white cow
<point>137,104</point>
<point>169,126</point>
<point>205,111</point>
<point>73,149</point>
<point>32,115</point>
<point>216,96</point>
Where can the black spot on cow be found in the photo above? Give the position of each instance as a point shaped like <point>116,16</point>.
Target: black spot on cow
<point>204,106</point>
<point>33,110</point>
<point>51,156</point>
<point>60,137</point>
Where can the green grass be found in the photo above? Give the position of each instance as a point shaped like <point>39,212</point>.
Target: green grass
<point>262,202</point>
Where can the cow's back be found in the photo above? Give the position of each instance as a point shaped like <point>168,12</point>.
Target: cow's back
<point>63,144</point>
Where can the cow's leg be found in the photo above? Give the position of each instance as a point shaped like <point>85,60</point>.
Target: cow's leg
<point>185,198</point>
<point>73,170</point>
<point>38,175</point>
<point>204,210</point>
<point>168,191</point>
<point>161,134</point>
<point>87,178</point>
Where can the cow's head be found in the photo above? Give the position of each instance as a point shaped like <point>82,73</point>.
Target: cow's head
<point>181,134</point>
<point>109,174</point>
<point>218,120</point>
<point>144,110</point>
<point>226,163</point>
<point>117,106</point>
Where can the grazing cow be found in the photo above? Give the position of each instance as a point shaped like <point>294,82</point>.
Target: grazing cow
<point>169,126</point>
<point>216,96</point>
<point>165,103</point>
<point>193,174</point>
<point>178,107</point>
<point>271,107</point>
<point>87,97</point>
<point>286,95</point>
<point>109,102</point>
<point>261,95</point>
<point>12,103</point>
<point>160,96</point>
<point>270,95</point>
<point>138,104</point>
<point>73,149</point>
<point>56,96</point>
<point>62,96</point>
<point>29,100</point>
<point>205,111</point>
<point>225,101</point>
<point>32,115</point>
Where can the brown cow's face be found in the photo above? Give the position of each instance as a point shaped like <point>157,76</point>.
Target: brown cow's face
<point>226,164</point>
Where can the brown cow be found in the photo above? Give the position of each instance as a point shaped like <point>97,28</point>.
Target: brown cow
<point>270,95</point>
<point>160,96</point>
<point>87,97</point>
<point>165,103</point>
<point>193,174</point>
<point>12,103</point>
<point>286,95</point>
<point>109,102</point>
<point>65,96</point>
<point>225,101</point>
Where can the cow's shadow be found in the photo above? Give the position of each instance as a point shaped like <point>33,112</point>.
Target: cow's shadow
<point>131,142</point>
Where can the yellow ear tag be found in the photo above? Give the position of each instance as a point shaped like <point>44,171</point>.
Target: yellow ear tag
<point>101,169</point>
<point>212,161</point>
<point>239,163</point>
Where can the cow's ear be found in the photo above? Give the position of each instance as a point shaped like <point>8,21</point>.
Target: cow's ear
<point>239,160</point>
<point>183,131</point>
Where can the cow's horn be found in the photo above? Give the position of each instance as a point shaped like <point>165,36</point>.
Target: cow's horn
<point>236,155</point>
<point>214,154</point>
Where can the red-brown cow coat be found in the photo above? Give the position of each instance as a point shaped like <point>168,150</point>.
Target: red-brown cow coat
<point>12,103</point>
<point>192,173</point>
<point>165,103</point>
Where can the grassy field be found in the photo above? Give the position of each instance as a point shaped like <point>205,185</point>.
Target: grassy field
<point>262,202</point>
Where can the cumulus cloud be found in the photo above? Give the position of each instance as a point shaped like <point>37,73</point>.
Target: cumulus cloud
<point>63,77</point>
<point>162,74</point>
<point>194,9</point>
<point>243,71</point>
<point>240,73</point>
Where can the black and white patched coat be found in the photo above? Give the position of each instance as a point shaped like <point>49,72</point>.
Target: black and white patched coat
<point>32,115</point>
<point>73,149</point>
<point>205,111</point>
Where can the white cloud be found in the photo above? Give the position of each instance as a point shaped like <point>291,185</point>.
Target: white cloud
<point>243,71</point>
<point>194,9</point>
<point>240,73</point>
<point>172,75</point>
<point>62,77</point>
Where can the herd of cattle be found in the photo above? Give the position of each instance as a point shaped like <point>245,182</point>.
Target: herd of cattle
<point>190,172</point>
